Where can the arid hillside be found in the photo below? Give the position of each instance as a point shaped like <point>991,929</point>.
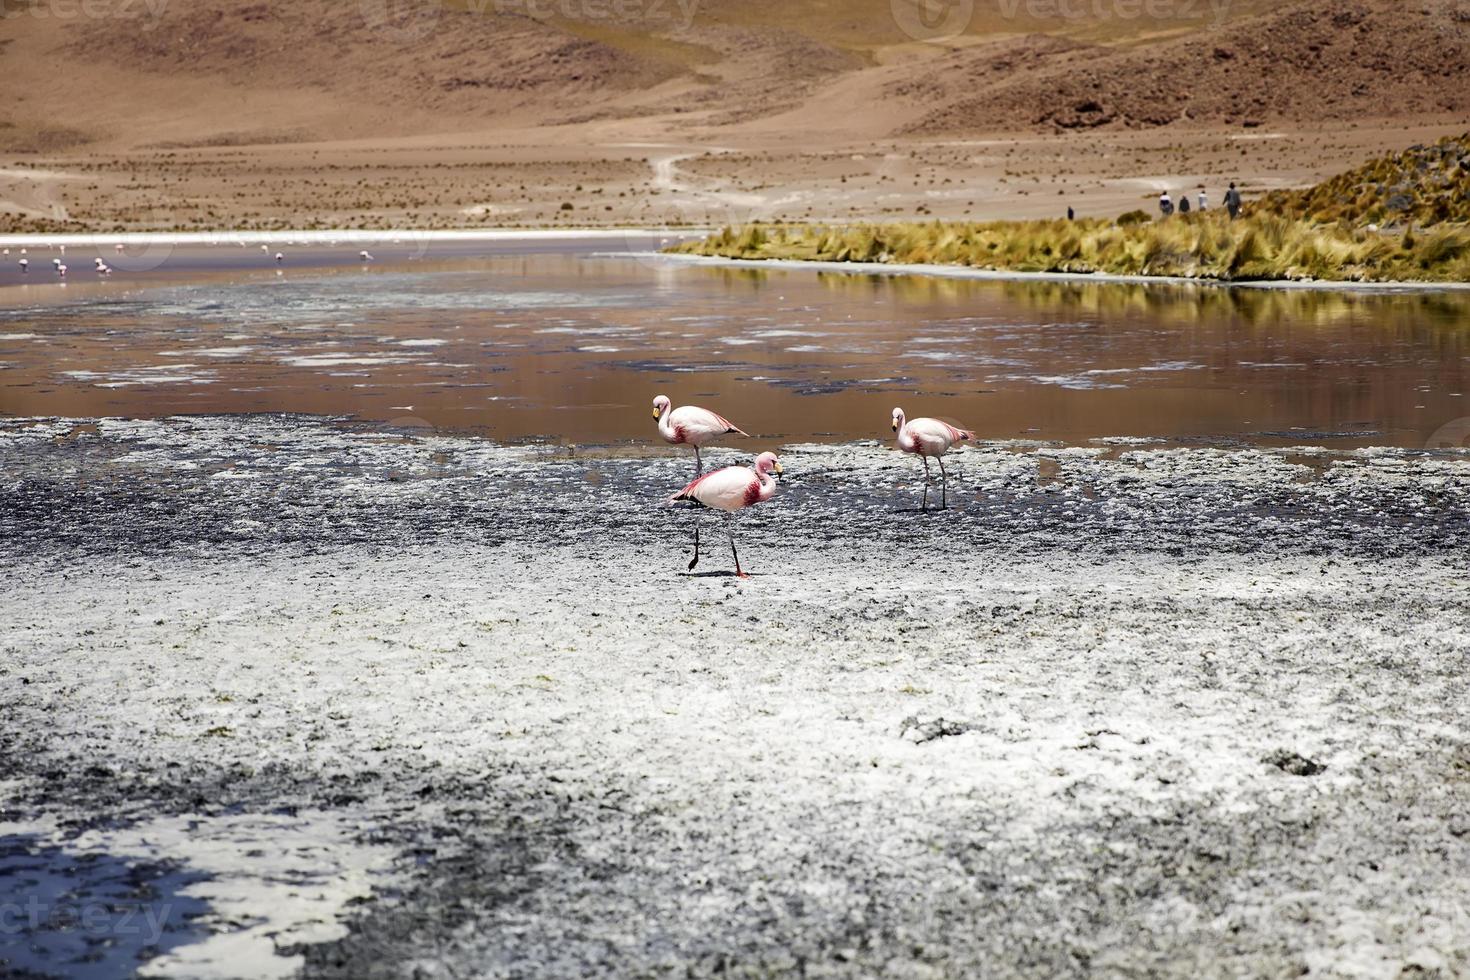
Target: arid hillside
<point>216,73</point>
<point>174,114</point>
<point>1344,60</point>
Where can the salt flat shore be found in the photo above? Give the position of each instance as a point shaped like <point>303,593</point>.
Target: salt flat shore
<point>305,698</point>
<point>1015,275</point>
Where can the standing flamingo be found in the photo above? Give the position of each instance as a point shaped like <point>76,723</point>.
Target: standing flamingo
<point>730,489</point>
<point>691,426</point>
<point>925,438</point>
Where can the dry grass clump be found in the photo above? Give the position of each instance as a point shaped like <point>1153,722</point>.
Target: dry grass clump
<point>1198,246</point>
<point>1424,185</point>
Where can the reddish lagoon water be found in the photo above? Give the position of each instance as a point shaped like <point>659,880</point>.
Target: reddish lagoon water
<point>571,341</point>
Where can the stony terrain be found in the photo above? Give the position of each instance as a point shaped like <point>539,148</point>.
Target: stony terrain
<point>485,113</point>
<point>343,702</point>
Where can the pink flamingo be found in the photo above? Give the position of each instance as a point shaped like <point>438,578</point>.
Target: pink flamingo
<point>730,489</point>
<point>925,438</point>
<point>691,426</point>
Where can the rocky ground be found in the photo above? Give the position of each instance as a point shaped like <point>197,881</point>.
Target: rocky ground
<point>284,696</point>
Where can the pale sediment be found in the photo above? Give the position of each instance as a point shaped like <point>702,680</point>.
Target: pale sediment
<point>1202,709</point>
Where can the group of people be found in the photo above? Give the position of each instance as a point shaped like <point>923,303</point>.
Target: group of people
<point>1166,203</point>
<point>1232,202</point>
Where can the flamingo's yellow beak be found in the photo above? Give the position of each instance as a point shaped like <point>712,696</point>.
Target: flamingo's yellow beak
<point>657,414</point>
<point>895,427</point>
<point>779,469</point>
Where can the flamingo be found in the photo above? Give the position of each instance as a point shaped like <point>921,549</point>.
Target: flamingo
<point>61,271</point>
<point>280,257</point>
<point>925,438</point>
<point>730,489</point>
<point>365,255</point>
<point>25,265</point>
<point>691,426</point>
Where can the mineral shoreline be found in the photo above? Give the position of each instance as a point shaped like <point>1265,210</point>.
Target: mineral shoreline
<point>342,703</point>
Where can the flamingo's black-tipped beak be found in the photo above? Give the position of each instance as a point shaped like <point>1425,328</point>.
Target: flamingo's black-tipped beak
<point>895,426</point>
<point>779,469</point>
<point>657,414</point>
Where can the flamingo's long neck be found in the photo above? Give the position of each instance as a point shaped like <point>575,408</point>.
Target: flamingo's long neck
<point>768,483</point>
<point>905,437</point>
<point>664,425</point>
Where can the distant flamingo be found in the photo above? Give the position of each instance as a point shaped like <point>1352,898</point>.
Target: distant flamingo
<point>925,438</point>
<point>25,265</point>
<point>730,489</point>
<point>691,426</point>
<point>365,255</point>
<point>280,257</point>
<point>61,271</point>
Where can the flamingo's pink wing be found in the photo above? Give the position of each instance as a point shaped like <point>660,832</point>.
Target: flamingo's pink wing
<point>724,489</point>
<point>688,492</point>
<point>729,426</point>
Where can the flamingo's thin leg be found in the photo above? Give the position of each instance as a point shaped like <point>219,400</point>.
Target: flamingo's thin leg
<point>698,464</point>
<point>943,486</point>
<point>730,531</point>
<point>926,482</point>
<point>695,560</point>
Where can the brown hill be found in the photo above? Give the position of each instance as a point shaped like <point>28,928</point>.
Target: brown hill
<point>1334,60</point>
<point>209,72</point>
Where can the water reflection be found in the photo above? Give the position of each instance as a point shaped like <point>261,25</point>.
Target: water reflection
<point>572,346</point>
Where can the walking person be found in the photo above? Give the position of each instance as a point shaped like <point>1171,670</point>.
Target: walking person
<point>1232,201</point>
<point>1204,199</point>
<point>1166,205</point>
<point>1184,203</point>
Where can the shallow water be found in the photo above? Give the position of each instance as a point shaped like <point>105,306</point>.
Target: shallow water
<point>570,341</point>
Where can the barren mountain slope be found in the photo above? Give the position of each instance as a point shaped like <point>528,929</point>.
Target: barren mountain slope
<point>1342,59</point>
